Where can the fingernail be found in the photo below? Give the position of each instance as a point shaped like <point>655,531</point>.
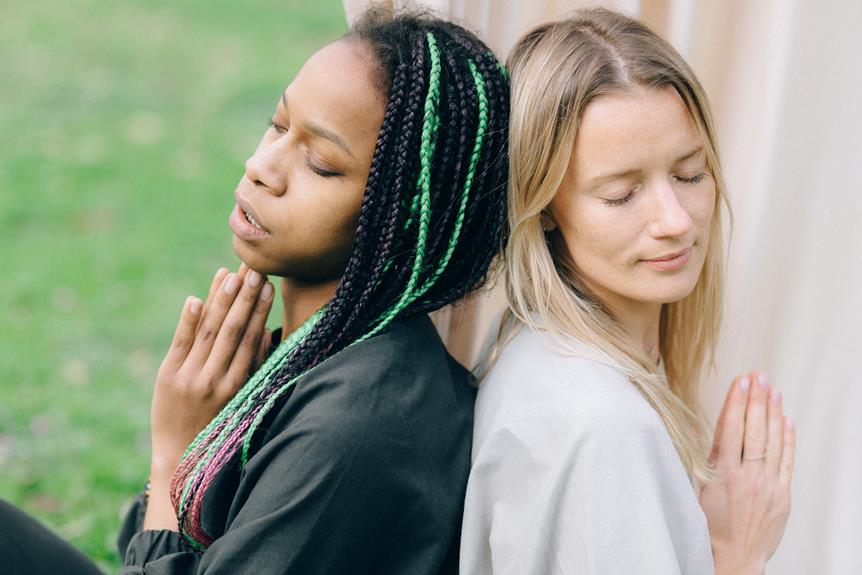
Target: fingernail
<point>195,306</point>
<point>762,380</point>
<point>744,383</point>
<point>266,292</point>
<point>775,396</point>
<point>789,423</point>
<point>231,285</point>
<point>253,278</point>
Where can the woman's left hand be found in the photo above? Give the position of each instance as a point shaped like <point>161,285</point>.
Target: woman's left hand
<point>215,348</point>
<point>748,507</point>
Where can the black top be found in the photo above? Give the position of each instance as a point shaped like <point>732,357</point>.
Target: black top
<point>362,469</point>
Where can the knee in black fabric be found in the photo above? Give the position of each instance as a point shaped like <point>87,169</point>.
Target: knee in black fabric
<point>29,548</point>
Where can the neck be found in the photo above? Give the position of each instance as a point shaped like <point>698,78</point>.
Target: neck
<point>302,299</point>
<point>641,322</point>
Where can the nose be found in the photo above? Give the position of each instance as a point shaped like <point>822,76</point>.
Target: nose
<point>671,218</point>
<point>266,167</point>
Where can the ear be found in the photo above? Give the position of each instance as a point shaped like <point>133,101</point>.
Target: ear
<point>549,224</point>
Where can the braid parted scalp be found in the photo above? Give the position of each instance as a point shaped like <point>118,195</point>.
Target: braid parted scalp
<point>431,221</point>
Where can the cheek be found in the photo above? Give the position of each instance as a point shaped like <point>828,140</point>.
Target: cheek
<point>702,209</point>
<point>341,222</point>
<point>597,237</point>
<point>317,230</point>
<point>328,213</point>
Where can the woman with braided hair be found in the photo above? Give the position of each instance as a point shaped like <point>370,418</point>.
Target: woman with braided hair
<point>377,195</point>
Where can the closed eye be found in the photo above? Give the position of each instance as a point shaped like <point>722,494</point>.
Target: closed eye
<point>322,172</point>
<point>278,128</point>
<point>620,201</point>
<point>696,179</point>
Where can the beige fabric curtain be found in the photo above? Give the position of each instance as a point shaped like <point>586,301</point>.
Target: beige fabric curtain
<point>785,79</point>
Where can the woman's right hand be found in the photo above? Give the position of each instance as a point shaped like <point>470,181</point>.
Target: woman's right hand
<point>752,456</point>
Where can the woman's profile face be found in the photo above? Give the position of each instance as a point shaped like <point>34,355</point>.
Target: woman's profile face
<point>635,208</point>
<point>299,199</point>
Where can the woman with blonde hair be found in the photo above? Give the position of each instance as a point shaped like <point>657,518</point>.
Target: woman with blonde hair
<point>590,452</point>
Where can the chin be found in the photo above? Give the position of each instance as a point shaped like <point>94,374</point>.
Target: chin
<point>252,259</point>
<point>672,291</point>
<point>313,268</point>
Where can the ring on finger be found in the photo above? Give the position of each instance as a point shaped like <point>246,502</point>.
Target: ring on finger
<point>744,458</point>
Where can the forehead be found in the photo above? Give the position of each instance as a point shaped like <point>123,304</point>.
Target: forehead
<point>336,87</point>
<point>634,129</point>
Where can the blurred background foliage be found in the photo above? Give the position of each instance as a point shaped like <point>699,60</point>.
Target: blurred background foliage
<point>124,130</point>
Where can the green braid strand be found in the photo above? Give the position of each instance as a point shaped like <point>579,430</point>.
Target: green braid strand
<point>423,198</point>
<point>482,105</point>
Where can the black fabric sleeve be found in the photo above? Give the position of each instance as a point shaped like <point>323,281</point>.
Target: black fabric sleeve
<point>133,523</point>
<point>336,463</point>
<point>159,551</point>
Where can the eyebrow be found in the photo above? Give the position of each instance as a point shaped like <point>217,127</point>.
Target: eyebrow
<point>691,154</point>
<point>611,177</point>
<point>627,173</point>
<point>322,132</point>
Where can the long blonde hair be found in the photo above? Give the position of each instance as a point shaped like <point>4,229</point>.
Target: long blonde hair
<point>556,70</point>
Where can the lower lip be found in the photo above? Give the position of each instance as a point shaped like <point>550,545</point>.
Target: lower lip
<point>670,264</point>
<point>244,228</point>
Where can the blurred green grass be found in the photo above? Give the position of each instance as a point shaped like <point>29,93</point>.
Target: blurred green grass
<point>124,128</point>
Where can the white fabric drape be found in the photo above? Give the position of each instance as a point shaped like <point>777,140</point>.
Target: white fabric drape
<point>785,80</point>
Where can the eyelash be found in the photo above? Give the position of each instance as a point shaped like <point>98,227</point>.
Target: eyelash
<point>628,197</point>
<point>317,170</point>
<point>624,200</point>
<point>692,180</point>
<point>320,171</point>
<point>272,124</point>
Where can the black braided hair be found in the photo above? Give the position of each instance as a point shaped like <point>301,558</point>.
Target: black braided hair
<point>383,251</point>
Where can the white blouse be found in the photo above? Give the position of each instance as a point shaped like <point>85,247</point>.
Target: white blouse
<point>573,472</point>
